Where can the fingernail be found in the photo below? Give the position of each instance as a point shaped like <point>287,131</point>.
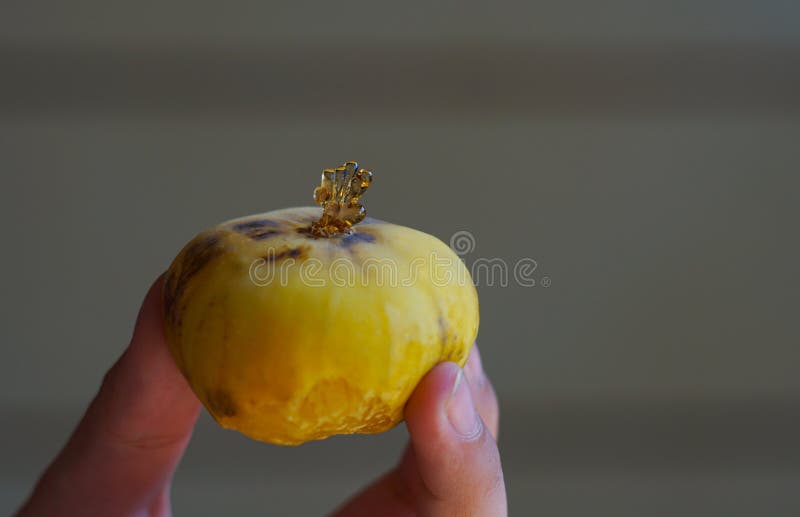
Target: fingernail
<point>474,369</point>
<point>461,411</point>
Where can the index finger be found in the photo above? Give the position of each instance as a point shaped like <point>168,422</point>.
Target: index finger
<point>123,452</point>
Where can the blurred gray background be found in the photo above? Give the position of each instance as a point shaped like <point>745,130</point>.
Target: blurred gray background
<point>645,154</point>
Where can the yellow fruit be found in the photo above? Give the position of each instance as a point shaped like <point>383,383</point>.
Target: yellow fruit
<point>289,329</point>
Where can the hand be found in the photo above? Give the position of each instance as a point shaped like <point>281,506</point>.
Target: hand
<point>121,457</point>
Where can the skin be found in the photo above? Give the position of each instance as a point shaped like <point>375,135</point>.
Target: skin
<point>121,458</point>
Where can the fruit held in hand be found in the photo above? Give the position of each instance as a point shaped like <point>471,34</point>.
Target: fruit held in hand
<point>302,323</point>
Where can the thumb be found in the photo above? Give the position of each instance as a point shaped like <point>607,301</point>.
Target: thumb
<point>455,455</point>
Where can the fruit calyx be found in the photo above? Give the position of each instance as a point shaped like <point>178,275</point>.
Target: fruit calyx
<point>338,195</point>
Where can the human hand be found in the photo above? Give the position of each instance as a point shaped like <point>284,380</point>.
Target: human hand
<point>121,458</point>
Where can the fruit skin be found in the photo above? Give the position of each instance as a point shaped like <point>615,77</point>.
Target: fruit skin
<point>287,361</point>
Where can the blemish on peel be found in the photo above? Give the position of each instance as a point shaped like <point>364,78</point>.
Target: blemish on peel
<point>197,255</point>
<point>297,252</point>
<point>221,403</point>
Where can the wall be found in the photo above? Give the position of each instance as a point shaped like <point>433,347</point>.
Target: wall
<point>644,154</point>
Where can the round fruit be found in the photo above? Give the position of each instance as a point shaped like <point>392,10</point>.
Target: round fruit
<point>297,324</point>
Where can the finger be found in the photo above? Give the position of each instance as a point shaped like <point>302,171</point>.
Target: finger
<point>404,492</point>
<point>122,454</point>
<point>482,391</point>
<point>389,496</point>
<point>457,460</point>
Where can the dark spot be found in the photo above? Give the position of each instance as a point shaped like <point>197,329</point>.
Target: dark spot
<point>454,355</point>
<point>197,254</point>
<point>443,327</point>
<point>344,241</point>
<point>259,229</point>
<point>263,234</point>
<point>221,404</point>
<point>295,253</point>
<point>443,333</point>
<point>254,225</point>
<point>356,237</point>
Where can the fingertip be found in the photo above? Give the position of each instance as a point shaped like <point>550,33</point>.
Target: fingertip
<point>461,411</point>
<point>148,327</point>
<point>431,392</point>
<point>474,367</point>
<point>442,407</point>
<point>455,453</point>
<point>147,358</point>
<point>483,392</point>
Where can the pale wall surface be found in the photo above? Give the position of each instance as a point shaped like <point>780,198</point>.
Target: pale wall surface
<point>645,154</point>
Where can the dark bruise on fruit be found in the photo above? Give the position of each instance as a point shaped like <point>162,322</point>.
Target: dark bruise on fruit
<point>296,253</point>
<point>221,403</point>
<point>443,333</point>
<point>259,229</point>
<point>447,337</point>
<point>254,225</point>
<point>355,238</point>
<point>263,234</point>
<point>194,258</point>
